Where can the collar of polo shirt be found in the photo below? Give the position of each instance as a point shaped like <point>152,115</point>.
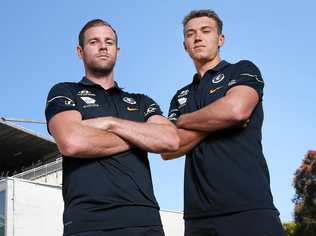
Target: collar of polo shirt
<point>86,81</point>
<point>220,66</point>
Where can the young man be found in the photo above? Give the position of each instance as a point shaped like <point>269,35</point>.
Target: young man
<point>219,118</point>
<point>104,134</point>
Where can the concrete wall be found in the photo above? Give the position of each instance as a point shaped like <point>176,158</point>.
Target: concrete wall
<point>36,209</point>
<point>172,222</point>
<point>33,209</point>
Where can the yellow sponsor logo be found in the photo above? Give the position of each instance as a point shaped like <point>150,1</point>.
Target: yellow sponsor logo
<point>132,108</point>
<point>215,89</point>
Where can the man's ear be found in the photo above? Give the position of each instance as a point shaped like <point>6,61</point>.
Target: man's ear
<point>80,52</point>
<point>184,46</point>
<point>221,40</point>
<point>118,51</point>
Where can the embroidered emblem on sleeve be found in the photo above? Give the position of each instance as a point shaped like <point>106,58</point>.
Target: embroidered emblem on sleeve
<point>173,114</point>
<point>232,82</point>
<point>151,109</point>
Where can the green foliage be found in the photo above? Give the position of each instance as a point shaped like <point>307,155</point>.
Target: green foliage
<point>305,198</point>
<point>290,229</point>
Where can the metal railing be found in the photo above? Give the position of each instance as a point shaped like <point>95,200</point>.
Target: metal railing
<point>41,171</point>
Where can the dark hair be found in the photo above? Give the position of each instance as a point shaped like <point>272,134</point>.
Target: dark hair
<point>92,23</point>
<point>200,13</point>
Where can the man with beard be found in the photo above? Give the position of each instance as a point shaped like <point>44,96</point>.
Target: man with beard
<point>219,118</point>
<point>104,134</point>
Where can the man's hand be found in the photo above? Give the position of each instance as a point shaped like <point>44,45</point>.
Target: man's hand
<point>156,135</point>
<point>188,140</point>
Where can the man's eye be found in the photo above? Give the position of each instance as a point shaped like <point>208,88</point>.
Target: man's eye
<point>189,35</point>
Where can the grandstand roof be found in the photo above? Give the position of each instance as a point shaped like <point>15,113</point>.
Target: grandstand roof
<point>21,149</point>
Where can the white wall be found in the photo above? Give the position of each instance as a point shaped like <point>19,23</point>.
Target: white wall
<point>172,222</point>
<point>36,209</point>
<point>33,209</point>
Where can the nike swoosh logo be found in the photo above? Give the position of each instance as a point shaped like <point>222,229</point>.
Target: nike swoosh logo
<point>214,90</point>
<point>132,109</point>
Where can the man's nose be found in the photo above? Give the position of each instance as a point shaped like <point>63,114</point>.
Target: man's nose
<point>103,46</point>
<point>198,36</point>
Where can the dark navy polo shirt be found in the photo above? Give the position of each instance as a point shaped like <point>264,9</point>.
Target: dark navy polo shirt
<point>226,172</point>
<point>106,192</point>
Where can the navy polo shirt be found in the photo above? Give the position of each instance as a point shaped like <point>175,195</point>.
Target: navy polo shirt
<point>226,172</point>
<point>106,192</point>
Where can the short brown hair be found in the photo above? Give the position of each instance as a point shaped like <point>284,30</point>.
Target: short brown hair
<point>200,13</point>
<point>91,24</point>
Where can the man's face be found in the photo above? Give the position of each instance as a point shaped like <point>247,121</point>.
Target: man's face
<point>99,50</point>
<point>201,39</point>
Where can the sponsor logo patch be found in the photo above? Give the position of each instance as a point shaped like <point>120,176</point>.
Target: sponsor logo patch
<point>129,100</point>
<point>218,78</point>
<point>215,89</point>
<point>183,93</point>
<point>88,100</point>
<point>132,109</point>
<point>85,93</point>
<point>69,103</point>
<point>182,102</point>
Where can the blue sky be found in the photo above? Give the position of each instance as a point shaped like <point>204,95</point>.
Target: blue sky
<point>39,38</point>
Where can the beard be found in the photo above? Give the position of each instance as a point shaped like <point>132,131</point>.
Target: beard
<point>100,69</point>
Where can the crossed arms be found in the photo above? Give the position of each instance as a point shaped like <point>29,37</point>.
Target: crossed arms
<point>234,109</point>
<point>106,136</point>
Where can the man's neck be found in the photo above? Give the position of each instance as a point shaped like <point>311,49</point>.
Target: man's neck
<point>105,81</point>
<point>202,67</point>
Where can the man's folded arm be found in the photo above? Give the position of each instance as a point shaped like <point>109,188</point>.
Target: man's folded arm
<point>156,135</point>
<point>75,139</point>
<point>232,110</point>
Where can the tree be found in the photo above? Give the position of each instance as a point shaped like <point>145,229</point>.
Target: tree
<point>290,229</point>
<point>305,196</point>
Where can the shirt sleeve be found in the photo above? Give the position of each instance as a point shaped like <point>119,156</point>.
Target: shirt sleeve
<point>150,108</point>
<point>247,74</point>
<point>59,99</point>
<point>174,111</point>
